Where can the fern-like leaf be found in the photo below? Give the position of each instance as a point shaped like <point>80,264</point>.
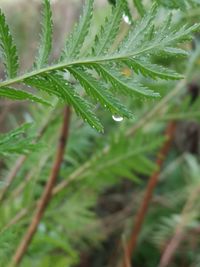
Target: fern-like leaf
<point>54,84</point>
<point>144,38</point>
<point>77,37</point>
<point>100,93</point>
<point>172,51</point>
<point>140,32</point>
<point>9,51</point>
<point>141,42</point>
<point>179,4</point>
<point>43,84</point>
<point>123,159</point>
<point>152,70</point>
<point>18,141</point>
<point>16,94</point>
<point>81,106</point>
<point>108,32</point>
<point>46,38</point>
<point>170,38</point>
<point>123,84</point>
<point>140,7</point>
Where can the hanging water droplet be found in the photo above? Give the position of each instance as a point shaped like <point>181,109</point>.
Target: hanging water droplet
<point>126,19</point>
<point>117,118</point>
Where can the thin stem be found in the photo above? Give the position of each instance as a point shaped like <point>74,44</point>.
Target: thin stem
<point>47,194</point>
<point>126,258</point>
<point>141,214</point>
<point>179,233</point>
<point>20,161</point>
<point>12,174</point>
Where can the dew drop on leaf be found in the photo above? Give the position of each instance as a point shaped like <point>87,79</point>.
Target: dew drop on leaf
<point>117,118</point>
<point>126,19</point>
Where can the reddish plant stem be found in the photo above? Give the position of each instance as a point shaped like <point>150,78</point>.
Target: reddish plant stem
<point>46,196</point>
<point>140,216</point>
<point>126,258</point>
<point>171,248</point>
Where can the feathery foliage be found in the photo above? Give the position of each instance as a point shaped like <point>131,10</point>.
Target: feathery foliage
<point>8,49</point>
<point>46,37</point>
<point>152,70</point>
<point>17,94</point>
<point>108,32</point>
<point>143,39</point>
<point>180,4</point>
<point>140,7</point>
<point>124,84</point>
<point>88,202</point>
<point>125,158</point>
<point>81,106</point>
<point>14,142</point>
<point>6,238</point>
<point>99,92</point>
<point>56,85</point>
<point>77,37</point>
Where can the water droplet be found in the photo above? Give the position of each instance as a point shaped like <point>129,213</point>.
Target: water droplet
<point>117,118</point>
<point>126,19</point>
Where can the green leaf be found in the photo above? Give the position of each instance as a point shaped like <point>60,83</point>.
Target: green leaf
<point>46,38</point>
<point>7,243</point>
<point>77,37</point>
<point>82,108</point>
<point>17,94</point>
<point>125,158</point>
<point>54,84</point>
<point>108,32</point>
<point>141,40</point>
<point>154,71</point>
<point>100,93</point>
<point>9,51</point>
<point>123,84</point>
<point>181,34</point>
<point>41,83</point>
<point>18,141</point>
<point>174,4</point>
<point>140,7</point>
<point>172,51</point>
<point>144,39</point>
<point>139,33</point>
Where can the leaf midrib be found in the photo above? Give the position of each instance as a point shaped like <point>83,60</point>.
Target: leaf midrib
<point>73,63</point>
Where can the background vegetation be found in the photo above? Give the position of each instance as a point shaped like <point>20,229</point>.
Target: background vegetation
<point>128,196</point>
